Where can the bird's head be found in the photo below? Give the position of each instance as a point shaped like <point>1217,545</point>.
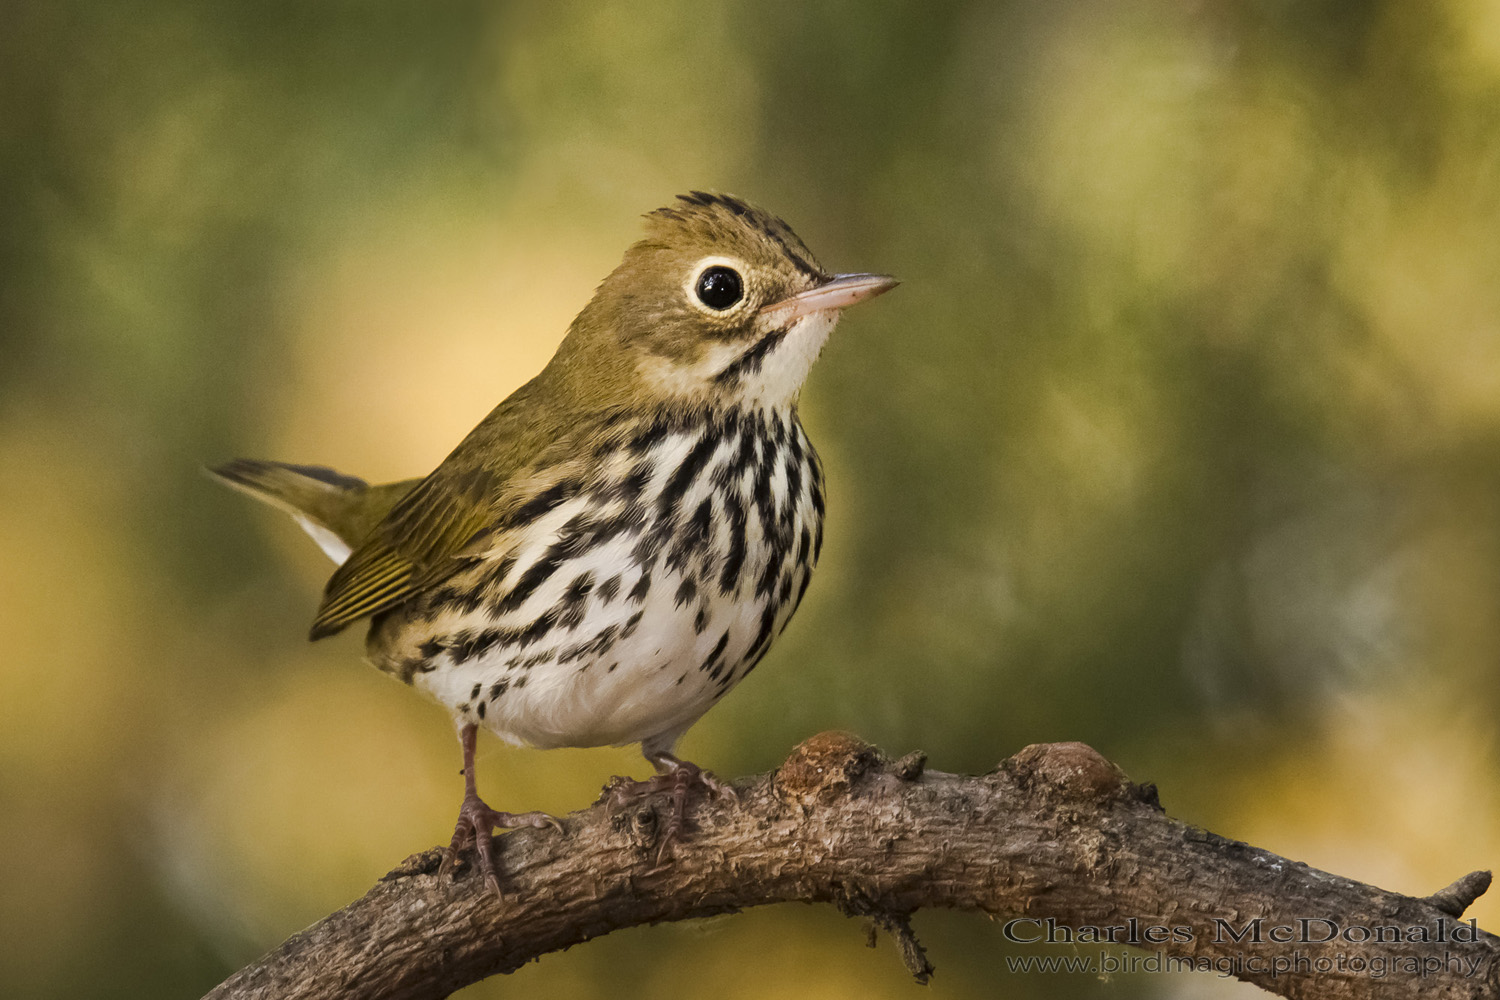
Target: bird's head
<point>720,304</point>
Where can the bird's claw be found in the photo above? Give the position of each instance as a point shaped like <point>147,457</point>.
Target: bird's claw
<point>678,778</point>
<point>476,825</point>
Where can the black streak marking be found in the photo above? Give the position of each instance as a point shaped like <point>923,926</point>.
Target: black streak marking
<point>466,600</point>
<point>801,588</point>
<point>495,577</point>
<point>744,458</point>
<point>633,485</point>
<point>537,629</point>
<point>672,493</point>
<point>793,482</point>
<point>642,587</point>
<point>763,637</point>
<point>598,645</point>
<point>536,574</point>
<point>767,582</point>
<point>750,361</point>
<point>765,500</point>
<point>718,651</point>
<point>579,588</point>
<point>544,501</point>
<point>469,644</point>
<point>754,662</point>
<point>693,537</point>
<point>599,532</point>
<point>631,624</point>
<point>734,560</point>
<point>649,438</point>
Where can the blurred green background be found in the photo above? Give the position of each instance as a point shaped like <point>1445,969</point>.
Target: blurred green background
<point>1181,438</point>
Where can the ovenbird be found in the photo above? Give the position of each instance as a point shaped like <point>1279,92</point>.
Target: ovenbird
<point>618,543</point>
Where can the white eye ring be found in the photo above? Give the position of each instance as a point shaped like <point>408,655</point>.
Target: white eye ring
<point>728,280</point>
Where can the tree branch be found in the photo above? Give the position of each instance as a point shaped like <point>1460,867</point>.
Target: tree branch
<point>1056,833</point>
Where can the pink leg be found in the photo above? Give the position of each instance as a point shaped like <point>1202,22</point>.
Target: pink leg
<point>477,821</point>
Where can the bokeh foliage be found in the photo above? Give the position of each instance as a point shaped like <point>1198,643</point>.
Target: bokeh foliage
<point>1180,438</point>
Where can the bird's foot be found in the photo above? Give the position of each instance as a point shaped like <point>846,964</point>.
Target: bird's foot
<point>673,775</point>
<point>476,825</point>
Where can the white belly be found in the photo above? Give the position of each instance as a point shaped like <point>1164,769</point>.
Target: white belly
<point>648,679</point>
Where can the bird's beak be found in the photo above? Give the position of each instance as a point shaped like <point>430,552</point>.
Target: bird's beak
<point>838,292</point>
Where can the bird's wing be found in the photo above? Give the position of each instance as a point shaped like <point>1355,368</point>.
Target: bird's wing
<point>418,543</point>
<point>424,531</point>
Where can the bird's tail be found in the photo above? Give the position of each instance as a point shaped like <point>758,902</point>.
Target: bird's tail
<point>338,511</point>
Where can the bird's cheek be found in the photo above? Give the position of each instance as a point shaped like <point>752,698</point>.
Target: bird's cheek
<point>686,375</point>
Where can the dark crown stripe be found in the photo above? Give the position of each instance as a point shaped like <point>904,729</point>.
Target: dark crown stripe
<point>796,258</point>
<point>769,225</point>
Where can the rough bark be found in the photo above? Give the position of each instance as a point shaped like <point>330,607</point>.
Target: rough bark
<point>1056,832</point>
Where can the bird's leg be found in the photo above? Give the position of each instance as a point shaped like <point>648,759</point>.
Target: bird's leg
<point>477,821</point>
<point>674,775</point>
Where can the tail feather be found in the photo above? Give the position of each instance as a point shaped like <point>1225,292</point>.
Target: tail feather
<point>271,476</point>
<point>338,511</point>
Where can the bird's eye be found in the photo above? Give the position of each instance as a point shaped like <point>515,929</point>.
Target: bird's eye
<point>720,287</point>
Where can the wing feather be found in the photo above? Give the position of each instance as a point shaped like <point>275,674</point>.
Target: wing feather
<point>431,529</point>
<point>420,535</point>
